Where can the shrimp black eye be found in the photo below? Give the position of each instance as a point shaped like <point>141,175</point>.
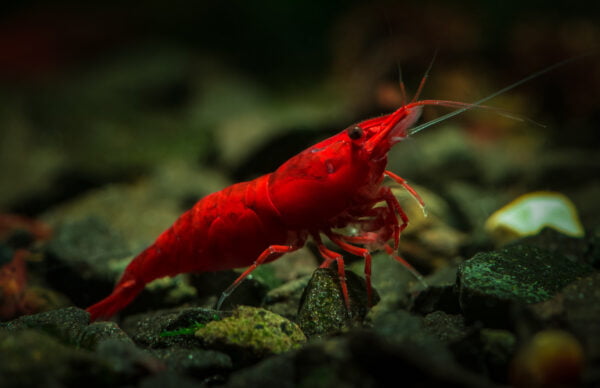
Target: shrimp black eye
<point>355,132</point>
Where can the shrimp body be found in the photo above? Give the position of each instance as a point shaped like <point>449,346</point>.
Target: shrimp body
<point>332,184</point>
<point>226,229</point>
<point>337,182</point>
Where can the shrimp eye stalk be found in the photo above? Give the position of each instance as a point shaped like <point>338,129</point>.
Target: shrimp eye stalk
<point>355,132</point>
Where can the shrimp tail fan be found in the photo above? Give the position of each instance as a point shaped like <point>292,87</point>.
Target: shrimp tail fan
<point>125,291</point>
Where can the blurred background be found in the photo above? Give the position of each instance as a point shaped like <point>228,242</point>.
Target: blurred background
<point>110,92</point>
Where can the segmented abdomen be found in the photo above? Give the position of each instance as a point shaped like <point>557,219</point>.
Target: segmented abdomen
<point>224,230</point>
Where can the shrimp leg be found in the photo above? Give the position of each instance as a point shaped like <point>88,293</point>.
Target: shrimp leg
<point>331,256</point>
<point>407,187</point>
<point>339,240</point>
<point>271,253</point>
<point>406,264</point>
<point>345,242</point>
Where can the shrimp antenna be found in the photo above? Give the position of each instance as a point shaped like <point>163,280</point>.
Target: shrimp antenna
<point>403,94</point>
<point>402,87</point>
<point>538,73</point>
<point>425,76</point>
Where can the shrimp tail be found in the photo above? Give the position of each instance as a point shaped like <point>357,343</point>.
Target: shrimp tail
<point>125,291</point>
<point>144,268</point>
<point>150,264</point>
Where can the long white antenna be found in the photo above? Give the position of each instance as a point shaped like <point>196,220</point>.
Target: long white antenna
<point>420,127</point>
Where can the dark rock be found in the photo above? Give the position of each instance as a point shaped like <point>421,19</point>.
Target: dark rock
<point>360,359</point>
<point>478,350</point>
<point>88,245</point>
<point>206,365</point>
<point>447,340</point>
<point>31,358</point>
<point>483,351</point>
<point>498,348</point>
<point>412,363</point>
<point>322,309</point>
<point>69,326</point>
<point>277,371</point>
<point>97,332</point>
<point>81,256</point>
<point>169,336</point>
<point>392,281</point>
<point>436,298</point>
<point>573,248</point>
<point>593,251</point>
<point>445,327</point>
<point>396,291</point>
<point>285,299</point>
<point>582,315</point>
<point>577,309</point>
<point>489,283</point>
<point>66,324</point>
<point>126,359</point>
<point>169,379</point>
<point>87,256</point>
<point>151,330</point>
<point>401,327</point>
<point>486,352</point>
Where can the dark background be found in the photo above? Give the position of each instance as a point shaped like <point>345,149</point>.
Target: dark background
<point>103,92</point>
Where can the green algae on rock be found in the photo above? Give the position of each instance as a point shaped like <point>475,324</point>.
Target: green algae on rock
<point>148,329</point>
<point>253,332</point>
<point>322,309</point>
